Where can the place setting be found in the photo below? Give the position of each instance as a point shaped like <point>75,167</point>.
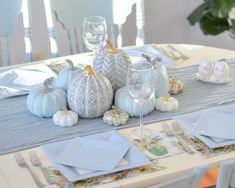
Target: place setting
<point>97,113</point>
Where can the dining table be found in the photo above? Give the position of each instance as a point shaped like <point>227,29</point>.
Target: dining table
<point>21,131</point>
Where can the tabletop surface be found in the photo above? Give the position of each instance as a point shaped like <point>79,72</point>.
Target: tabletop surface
<point>175,165</point>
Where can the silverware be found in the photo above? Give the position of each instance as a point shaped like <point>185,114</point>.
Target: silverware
<point>169,54</point>
<point>36,162</point>
<point>22,163</point>
<point>179,131</point>
<point>170,132</point>
<point>182,56</point>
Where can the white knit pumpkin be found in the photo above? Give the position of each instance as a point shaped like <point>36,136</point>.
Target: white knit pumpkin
<point>113,64</point>
<point>65,118</point>
<point>90,94</point>
<point>167,104</point>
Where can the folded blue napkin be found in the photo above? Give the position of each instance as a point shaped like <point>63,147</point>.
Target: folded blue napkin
<point>136,54</point>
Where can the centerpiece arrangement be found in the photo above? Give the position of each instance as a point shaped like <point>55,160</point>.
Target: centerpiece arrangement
<point>92,92</point>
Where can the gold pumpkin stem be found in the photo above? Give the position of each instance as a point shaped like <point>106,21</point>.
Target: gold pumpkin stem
<point>64,109</point>
<point>111,48</point>
<point>89,70</point>
<point>166,98</point>
<point>115,110</point>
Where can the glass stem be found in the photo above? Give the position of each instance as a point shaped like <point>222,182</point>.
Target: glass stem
<point>141,118</point>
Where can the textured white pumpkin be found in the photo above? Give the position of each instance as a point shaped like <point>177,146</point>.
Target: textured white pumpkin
<point>127,104</point>
<point>65,118</point>
<point>175,86</point>
<point>166,104</point>
<point>45,101</point>
<point>113,64</point>
<point>161,81</point>
<point>90,94</point>
<point>66,75</point>
<point>115,117</point>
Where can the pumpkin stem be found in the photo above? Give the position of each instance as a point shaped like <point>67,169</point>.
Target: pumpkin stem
<point>152,61</point>
<point>64,109</point>
<point>111,48</point>
<point>71,65</point>
<point>115,110</point>
<point>89,70</point>
<point>46,84</point>
<point>166,98</point>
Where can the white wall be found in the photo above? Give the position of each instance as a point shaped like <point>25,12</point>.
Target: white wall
<point>165,23</point>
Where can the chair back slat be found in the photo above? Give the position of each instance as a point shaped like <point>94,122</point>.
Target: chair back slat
<point>1,59</point>
<point>119,36</point>
<point>11,9</point>
<point>7,47</point>
<point>71,13</point>
<point>225,174</point>
<point>140,22</point>
<point>27,30</point>
<point>190,180</point>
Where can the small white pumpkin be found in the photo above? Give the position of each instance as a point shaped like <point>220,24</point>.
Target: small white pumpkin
<point>166,104</point>
<point>65,118</point>
<point>66,76</point>
<point>175,86</point>
<point>113,63</point>
<point>115,117</point>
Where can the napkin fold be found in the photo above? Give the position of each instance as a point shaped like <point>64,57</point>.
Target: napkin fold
<point>135,54</point>
<point>20,80</point>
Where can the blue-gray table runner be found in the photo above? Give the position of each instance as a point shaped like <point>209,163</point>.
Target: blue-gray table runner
<point>20,130</point>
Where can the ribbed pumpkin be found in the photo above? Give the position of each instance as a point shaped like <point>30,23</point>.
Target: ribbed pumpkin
<point>127,104</point>
<point>66,75</point>
<point>113,63</point>
<point>90,94</point>
<point>161,81</point>
<point>45,101</point>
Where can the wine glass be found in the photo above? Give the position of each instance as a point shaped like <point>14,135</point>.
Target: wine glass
<point>140,85</point>
<point>94,32</point>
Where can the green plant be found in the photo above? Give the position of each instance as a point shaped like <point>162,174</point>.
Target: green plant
<point>215,17</point>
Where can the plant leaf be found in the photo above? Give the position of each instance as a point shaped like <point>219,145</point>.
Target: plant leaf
<point>221,8</point>
<point>211,25</point>
<point>198,13</point>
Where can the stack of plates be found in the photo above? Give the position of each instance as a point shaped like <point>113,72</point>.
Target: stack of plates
<point>215,129</point>
<point>94,155</point>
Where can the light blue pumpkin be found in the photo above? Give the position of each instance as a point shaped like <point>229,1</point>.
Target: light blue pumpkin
<point>65,76</point>
<point>162,82</point>
<point>126,103</point>
<point>45,101</point>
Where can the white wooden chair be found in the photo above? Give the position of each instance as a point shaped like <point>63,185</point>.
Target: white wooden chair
<point>226,178</point>
<point>190,180</point>
<point>9,16</point>
<point>70,14</point>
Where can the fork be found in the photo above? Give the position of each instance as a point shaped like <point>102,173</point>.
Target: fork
<point>182,56</point>
<point>178,130</point>
<point>169,132</point>
<point>36,162</point>
<point>22,163</point>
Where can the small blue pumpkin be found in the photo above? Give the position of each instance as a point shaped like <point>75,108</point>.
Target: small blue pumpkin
<point>66,75</point>
<point>162,82</point>
<point>45,101</point>
<point>126,103</point>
